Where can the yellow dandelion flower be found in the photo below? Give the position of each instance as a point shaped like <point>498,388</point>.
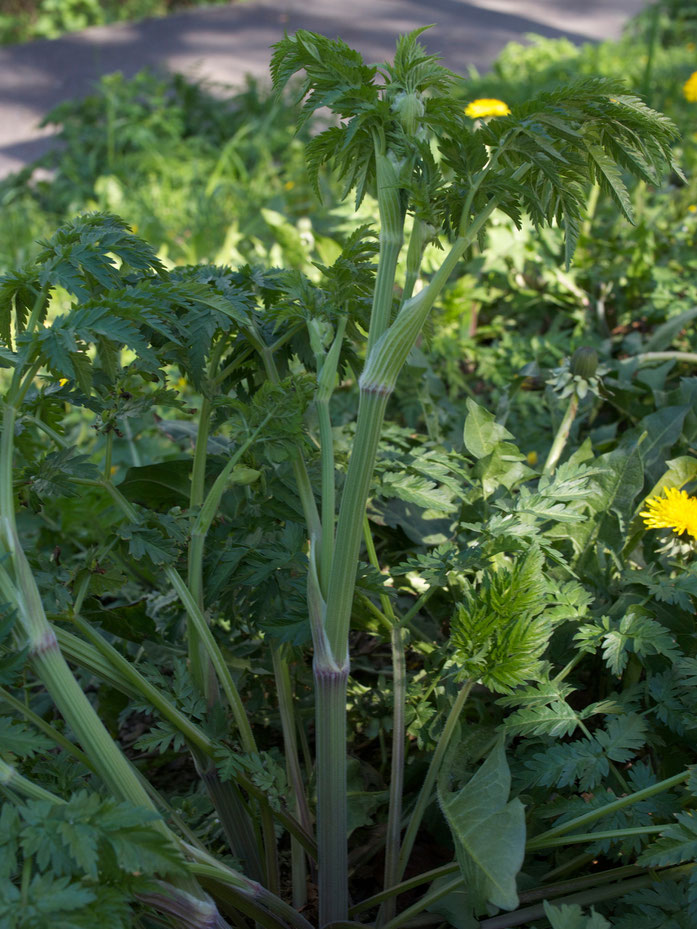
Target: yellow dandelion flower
<point>478,109</point>
<point>676,511</point>
<point>692,208</point>
<point>690,88</point>
<point>289,185</point>
<point>532,458</point>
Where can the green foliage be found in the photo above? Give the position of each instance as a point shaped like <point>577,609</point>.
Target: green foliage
<point>572,917</point>
<point>539,586</point>
<point>489,832</point>
<point>83,861</point>
<point>500,632</point>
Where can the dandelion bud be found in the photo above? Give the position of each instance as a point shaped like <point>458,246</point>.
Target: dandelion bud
<point>584,362</point>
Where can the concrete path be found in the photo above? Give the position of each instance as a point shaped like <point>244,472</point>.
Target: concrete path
<point>222,44</point>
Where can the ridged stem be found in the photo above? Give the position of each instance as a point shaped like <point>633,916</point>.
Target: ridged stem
<point>199,663</point>
<point>290,744</point>
<point>371,412</point>
<point>330,721</point>
<point>426,792</point>
<point>391,241</point>
<point>13,780</point>
<point>394,816</point>
<point>326,376</point>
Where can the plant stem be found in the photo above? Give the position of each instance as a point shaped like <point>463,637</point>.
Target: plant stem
<point>199,531</point>
<point>562,435</point>
<point>428,898</point>
<point>13,780</point>
<point>326,376</point>
<point>577,838</point>
<point>290,744</point>
<point>216,657</point>
<point>199,621</point>
<point>596,895</point>
<point>427,877</point>
<point>332,820</point>
<point>394,817</point>
<point>648,357</point>
<point>46,728</point>
<point>135,685</point>
<point>199,662</point>
<point>264,906</point>
<point>426,791</point>
<point>391,240</point>
<point>612,807</point>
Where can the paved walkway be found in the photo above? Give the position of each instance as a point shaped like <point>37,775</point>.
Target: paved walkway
<point>222,44</point>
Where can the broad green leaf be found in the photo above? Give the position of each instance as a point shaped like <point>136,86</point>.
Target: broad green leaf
<point>663,429</point>
<point>482,433</point>
<point>488,830</point>
<point>453,907</point>
<point>159,486</point>
<point>504,467</point>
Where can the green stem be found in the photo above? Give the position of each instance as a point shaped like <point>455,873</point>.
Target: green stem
<point>427,877</point>
<point>648,357</point>
<point>287,713</point>
<point>13,780</point>
<point>145,689</point>
<point>108,447</point>
<point>413,610</point>
<point>134,685</point>
<point>199,621</point>
<point>326,377</point>
<point>427,900</point>
<point>332,820</point>
<point>562,436</point>
<point>596,895</point>
<point>391,241</point>
<point>200,666</point>
<point>263,903</point>
<point>46,728</point>
<point>216,657</point>
<point>578,838</point>
<point>587,224</point>
<point>394,816</point>
<point>426,791</point>
<point>420,235</point>
<point>612,807</point>
<point>371,412</point>
<point>199,531</point>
